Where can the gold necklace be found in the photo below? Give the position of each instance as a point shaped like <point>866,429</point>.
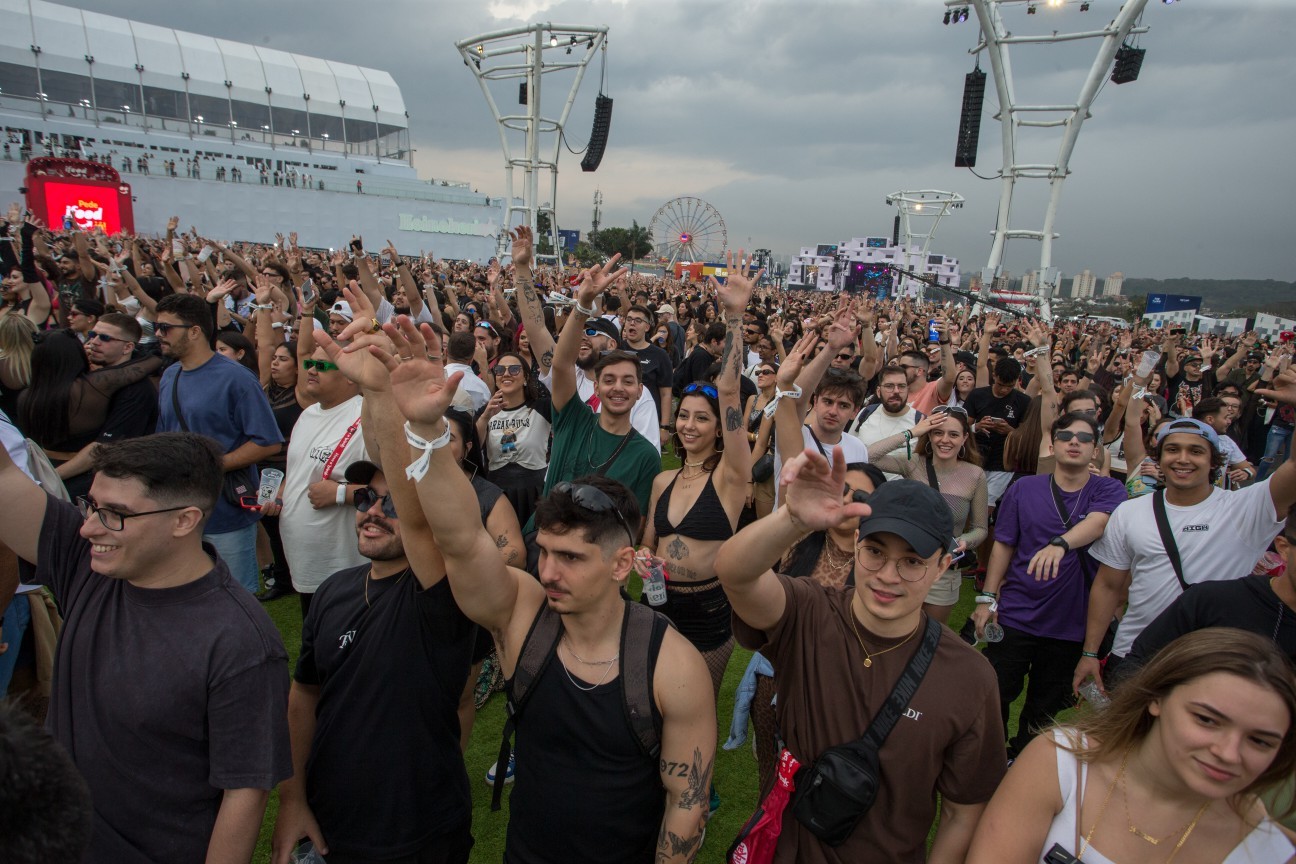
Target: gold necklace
<point>1156,841</point>
<point>830,552</point>
<point>868,657</point>
<point>369,578</point>
<point>1119,778</point>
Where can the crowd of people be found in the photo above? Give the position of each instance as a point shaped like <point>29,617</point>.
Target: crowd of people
<point>598,483</point>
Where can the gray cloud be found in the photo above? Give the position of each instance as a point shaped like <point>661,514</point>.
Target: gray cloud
<point>795,120</point>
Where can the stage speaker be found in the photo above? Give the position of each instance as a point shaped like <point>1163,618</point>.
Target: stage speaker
<point>969,131</point>
<point>1128,63</point>
<point>599,134</point>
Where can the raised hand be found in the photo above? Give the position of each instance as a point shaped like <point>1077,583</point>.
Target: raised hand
<point>814,490</point>
<point>173,223</point>
<point>418,381</point>
<point>736,292</point>
<point>222,290</point>
<point>523,247</point>
<point>261,293</point>
<point>795,360</point>
<point>1282,388</point>
<point>363,315</point>
<point>361,360</point>
<point>841,332</point>
<point>595,280</point>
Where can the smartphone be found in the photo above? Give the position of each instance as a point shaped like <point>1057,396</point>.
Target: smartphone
<point>308,291</point>
<point>933,335</point>
<point>249,502</point>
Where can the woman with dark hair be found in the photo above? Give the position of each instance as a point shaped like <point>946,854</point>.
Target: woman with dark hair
<point>238,348</point>
<point>946,459</point>
<point>760,432</point>
<point>1188,744</point>
<point>515,428</point>
<point>65,404</point>
<point>1022,446</point>
<point>695,508</point>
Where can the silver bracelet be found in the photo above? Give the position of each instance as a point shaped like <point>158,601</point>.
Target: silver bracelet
<point>418,469</point>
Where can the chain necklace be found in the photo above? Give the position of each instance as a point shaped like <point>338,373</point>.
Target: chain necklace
<point>369,578</point>
<point>606,672</point>
<point>1120,779</point>
<point>831,565</point>
<point>1281,607</point>
<point>868,657</point>
<point>1156,841</point>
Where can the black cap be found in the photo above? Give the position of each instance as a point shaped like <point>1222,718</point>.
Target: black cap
<point>361,472</point>
<point>604,326</point>
<point>967,358</point>
<point>913,511</point>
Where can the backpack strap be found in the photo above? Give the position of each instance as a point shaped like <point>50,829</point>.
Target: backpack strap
<point>639,632</point>
<point>539,648</point>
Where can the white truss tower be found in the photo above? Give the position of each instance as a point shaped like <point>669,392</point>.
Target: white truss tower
<point>995,42</point>
<point>926,207</point>
<point>520,55</point>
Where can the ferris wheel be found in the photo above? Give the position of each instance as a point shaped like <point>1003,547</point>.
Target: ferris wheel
<point>688,229</point>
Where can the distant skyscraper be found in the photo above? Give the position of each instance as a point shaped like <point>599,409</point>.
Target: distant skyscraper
<point>1002,282</point>
<point>1031,282</point>
<point>1083,284</point>
<point>1112,284</point>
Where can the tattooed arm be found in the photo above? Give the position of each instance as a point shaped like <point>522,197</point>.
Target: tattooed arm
<point>688,747</point>
<point>735,465</point>
<point>502,523</point>
<point>530,307</point>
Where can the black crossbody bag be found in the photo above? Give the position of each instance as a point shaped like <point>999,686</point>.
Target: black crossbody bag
<point>1167,536</point>
<point>834,793</point>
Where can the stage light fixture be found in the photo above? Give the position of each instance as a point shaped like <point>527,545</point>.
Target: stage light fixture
<point>553,41</point>
<point>947,17</point>
<point>963,13</point>
<point>1030,8</point>
<point>1084,7</point>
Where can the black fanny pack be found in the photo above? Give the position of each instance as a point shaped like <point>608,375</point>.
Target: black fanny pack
<point>834,793</point>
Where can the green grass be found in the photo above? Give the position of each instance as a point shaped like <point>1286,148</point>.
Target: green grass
<point>735,772</point>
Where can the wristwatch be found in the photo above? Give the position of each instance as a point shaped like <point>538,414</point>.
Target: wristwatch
<point>1059,541</point>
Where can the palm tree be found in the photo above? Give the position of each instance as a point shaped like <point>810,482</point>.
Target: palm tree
<point>639,239</point>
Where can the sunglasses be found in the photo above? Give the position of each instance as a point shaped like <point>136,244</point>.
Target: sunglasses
<point>485,325</point>
<point>366,498</point>
<point>162,329</point>
<point>320,365</point>
<point>764,371</point>
<point>845,356</point>
<point>102,337</point>
<point>594,500</point>
<point>950,409</point>
<point>590,331</point>
<point>1067,435</point>
<point>697,387</point>
<point>511,369</point>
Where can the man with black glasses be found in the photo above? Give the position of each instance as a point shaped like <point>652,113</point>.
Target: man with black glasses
<point>1037,579</point>
<point>642,783</point>
<point>655,366</point>
<point>169,689</point>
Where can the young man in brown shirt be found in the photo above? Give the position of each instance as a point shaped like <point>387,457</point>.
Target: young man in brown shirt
<point>838,653</point>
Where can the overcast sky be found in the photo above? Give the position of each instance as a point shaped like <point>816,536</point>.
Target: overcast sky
<point>795,120</point>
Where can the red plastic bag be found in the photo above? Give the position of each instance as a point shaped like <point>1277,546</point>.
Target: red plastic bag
<point>759,837</point>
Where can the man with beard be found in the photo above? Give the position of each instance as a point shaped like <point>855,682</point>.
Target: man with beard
<point>210,394</point>
<point>599,336</point>
<point>384,647</point>
<point>1210,535</point>
<point>889,416</point>
<point>1039,569</point>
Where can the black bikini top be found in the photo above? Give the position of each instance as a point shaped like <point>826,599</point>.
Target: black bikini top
<point>706,520</point>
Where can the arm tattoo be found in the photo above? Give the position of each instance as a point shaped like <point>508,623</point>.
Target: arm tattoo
<point>682,846</point>
<point>727,353</point>
<point>698,793</point>
<point>546,360</point>
<point>501,541</point>
<point>733,419</point>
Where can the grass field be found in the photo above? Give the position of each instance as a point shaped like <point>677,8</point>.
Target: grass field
<point>735,772</point>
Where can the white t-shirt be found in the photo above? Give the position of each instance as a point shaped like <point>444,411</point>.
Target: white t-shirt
<point>643,417</point>
<point>1219,539</point>
<point>881,425</point>
<point>518,436</point>
<point>318,543</point>
<point>1233,454</point>
<point>852,448</point>
<point>473,394</point>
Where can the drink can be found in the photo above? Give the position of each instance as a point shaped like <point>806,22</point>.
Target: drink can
<point>270,480</point>
<point>992,632</point>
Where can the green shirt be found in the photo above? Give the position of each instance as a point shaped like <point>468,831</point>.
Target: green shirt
<point>581,447</point>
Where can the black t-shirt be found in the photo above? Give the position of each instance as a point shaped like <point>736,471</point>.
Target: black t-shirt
<point>1248,603</point>
<point>132,413</point>
<point>694,368</point>
<point>657,371</point>
<point>390,667</point>
<point>982,402</point>
<point>163,697</point>
<point>1196,391</point>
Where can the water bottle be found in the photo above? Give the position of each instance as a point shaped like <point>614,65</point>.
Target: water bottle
<point>992,632</point>
<point>271,478</point>
<point>1148,363</point>
<point>1095,697</point>
<point>653,572</point>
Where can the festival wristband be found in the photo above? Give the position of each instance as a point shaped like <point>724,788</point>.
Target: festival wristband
<point>1089,654</point>
<point>341,494</point>
<point>417,469</point>
<point>588,313</point>
<point>982,599</point>
<point>794,393</point>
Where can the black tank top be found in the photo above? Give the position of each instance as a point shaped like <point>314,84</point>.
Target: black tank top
<point>583,790</point>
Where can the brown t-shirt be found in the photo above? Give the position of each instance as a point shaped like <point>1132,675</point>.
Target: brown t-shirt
<point>949,741</point>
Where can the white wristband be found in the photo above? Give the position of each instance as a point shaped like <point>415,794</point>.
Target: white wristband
<point>417,469</point>
<point>588,313</point>
<point>794,393</point>
<point>341,494</point>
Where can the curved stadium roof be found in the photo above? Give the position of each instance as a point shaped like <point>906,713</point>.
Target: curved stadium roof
<point>120,63</point>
